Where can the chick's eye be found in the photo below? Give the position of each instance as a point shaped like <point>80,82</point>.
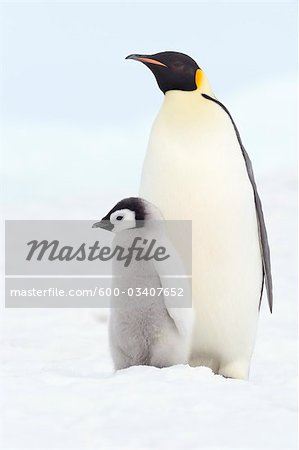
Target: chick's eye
<point>119,217</point>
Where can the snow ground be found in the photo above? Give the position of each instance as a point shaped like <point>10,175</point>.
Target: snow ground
<point>59,390</point>
<point>58,387</point>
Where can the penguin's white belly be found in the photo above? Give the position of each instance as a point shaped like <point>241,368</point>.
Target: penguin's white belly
<point>194,169</point>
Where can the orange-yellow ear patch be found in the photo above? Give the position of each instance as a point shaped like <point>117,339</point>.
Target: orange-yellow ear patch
<point>198,78</point>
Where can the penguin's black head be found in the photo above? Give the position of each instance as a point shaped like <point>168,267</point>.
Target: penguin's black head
<point>172,70</point>
<point>126,214</point>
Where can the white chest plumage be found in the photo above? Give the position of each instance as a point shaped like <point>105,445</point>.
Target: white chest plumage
<point>194,169</point>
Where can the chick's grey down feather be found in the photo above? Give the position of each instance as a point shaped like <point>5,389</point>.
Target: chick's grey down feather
<point>144,330</point>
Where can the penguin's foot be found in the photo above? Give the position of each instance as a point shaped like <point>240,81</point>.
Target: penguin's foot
<point>235,369</point>
<point>206,361</point>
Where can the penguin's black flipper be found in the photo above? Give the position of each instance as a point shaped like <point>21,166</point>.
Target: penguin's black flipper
<point>262,232</point>
<point>265,250</point>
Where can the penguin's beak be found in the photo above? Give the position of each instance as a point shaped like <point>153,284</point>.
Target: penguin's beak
<point>105,224</point>
<point>146,59</point>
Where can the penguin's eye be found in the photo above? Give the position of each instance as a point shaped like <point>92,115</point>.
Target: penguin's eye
<point>119,217</point>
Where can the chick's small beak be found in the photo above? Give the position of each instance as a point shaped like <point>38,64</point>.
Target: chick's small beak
<point>105,224</point>
<point>146,59</point>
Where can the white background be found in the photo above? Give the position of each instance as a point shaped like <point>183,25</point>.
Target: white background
<point>75,122</point>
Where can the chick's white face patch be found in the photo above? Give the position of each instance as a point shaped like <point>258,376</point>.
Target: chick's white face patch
<point>123,219</point>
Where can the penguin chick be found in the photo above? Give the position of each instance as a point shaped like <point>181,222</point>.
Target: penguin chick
<point>144,329</point>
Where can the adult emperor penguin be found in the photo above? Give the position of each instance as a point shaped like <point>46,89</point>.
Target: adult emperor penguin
<point>144,327</point>
<point>196,167</point>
